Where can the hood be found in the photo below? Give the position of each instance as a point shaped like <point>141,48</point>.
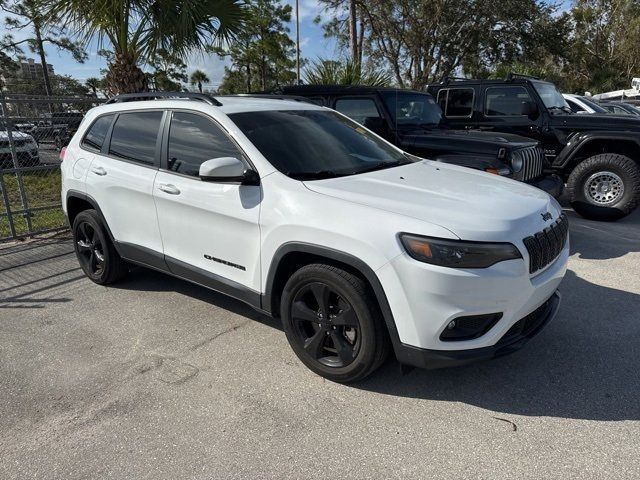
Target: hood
<point>598,121</point>
<point>471,204</point>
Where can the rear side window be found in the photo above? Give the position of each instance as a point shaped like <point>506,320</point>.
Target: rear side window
<point>134,136</point>
<point>456,102</point>
<point>505,101</point>
<point>358,109</point>
<point>194,139</point>
<point>94,138</point>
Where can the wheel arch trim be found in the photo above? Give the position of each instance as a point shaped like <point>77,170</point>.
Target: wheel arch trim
<point>332,254</point>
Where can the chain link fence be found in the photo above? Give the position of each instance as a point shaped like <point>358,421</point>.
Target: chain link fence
<point>33,130</point>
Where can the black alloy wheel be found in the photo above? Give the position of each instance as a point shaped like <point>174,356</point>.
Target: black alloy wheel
<point>326,325</point>
<point>333,322</point>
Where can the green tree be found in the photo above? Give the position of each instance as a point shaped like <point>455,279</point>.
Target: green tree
<point>331,72</point>
<point>263,55</point>
<point>136,29</point>
<point>37,28</point>
<point>198,77</point>
<point>169,71</point>
<point>96,85</point>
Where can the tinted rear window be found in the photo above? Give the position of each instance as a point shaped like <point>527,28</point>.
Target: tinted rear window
<point>134,136</point>
<point>94,138</point>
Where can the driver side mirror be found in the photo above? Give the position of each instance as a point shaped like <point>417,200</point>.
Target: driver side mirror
<point>228,170</point>
<point>530,109</point>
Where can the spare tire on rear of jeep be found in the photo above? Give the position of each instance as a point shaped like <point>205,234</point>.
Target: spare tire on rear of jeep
<point>605,187</point>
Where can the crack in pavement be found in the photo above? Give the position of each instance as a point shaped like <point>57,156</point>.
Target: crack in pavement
<point>213,338</point>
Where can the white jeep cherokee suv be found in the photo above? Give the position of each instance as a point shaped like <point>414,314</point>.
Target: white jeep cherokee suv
<point>307,216</point>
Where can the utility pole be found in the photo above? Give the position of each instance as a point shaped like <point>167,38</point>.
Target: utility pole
<point>297,44</point>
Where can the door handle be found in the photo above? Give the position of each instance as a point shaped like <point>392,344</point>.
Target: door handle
<point>99,171</point>
<point>168,188</point>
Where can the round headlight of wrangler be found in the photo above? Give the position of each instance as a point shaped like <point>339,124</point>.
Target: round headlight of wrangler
<point>517,162</point>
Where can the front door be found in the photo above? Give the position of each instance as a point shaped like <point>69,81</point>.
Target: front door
<point>209,230</point>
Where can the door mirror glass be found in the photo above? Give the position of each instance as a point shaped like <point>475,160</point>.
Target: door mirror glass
<point>227,170</point>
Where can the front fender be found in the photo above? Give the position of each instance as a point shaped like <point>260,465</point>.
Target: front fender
<point>478,162</point>
<point>581,140</point>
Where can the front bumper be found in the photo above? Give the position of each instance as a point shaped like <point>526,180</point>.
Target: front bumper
<point>552,184</point>
<point>514,339</point>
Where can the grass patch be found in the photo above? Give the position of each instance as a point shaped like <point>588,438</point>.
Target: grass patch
<point>42,188</point>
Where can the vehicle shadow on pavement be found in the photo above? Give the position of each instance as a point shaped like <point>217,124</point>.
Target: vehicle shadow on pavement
<point>584,365</point>
<point>603,240</point>
<point>146,280</point>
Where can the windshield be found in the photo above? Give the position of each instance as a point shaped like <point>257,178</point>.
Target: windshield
<point>412,108</point>
<point>550,96</point>
<point>596,108</point>
<point>314,144</point>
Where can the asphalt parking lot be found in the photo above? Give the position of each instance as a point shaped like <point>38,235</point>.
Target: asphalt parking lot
<point>157,378</point>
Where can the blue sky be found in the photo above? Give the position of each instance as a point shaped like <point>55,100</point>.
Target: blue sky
<point>312,45</point>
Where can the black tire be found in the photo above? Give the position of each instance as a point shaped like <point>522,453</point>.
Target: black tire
<point>96,254</point>
<point>619,175</point>
<point>351,341</point>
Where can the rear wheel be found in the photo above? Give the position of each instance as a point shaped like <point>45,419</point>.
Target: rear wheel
<point>98,257</point>
<point>332,323</point>
<point>605,187</point>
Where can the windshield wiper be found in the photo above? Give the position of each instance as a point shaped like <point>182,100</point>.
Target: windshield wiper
<point>379,166</point>
<point>317,175</point>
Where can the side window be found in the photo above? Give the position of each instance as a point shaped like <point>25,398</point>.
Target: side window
<point>317,100</point>
<point>575,108</point>
<point>505,101</point>
<point>357,108</point>
<point>194,139</point>
<point>134,136</point>
<point>459,102</point>
<point>442,99</point>
<point>94,138</point>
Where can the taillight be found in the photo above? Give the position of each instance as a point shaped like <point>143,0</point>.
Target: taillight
<point>63,150</point>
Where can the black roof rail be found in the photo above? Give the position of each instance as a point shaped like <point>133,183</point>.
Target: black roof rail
<point>133,97</point>
<point>445,80</point>
<point>512,75</point>
<point>273,96</point>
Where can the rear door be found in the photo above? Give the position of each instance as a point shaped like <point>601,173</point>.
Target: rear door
<point>209,230</point>
<point>120,180</point>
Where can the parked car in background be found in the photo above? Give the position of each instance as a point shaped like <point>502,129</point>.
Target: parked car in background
<point>57,127</point>
<point>581,104</point>
<point>414,122</point>
<point>26,150</point>
<point>304,214</point>
<point>598,155</point>
<point>621,108</point>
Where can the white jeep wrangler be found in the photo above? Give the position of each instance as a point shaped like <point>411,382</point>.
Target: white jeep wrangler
<point>306,215</point>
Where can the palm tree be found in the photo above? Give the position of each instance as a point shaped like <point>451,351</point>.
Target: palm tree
<point>135,29</point>
<point>198,77</point>
<point>333,72</point>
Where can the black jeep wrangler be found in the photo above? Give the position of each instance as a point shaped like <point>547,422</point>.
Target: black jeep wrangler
<point>414,122</point>
<point>597,155</point>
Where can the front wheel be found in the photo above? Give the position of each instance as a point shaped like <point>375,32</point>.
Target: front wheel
<point>332,323</point>
<point>605,187</point>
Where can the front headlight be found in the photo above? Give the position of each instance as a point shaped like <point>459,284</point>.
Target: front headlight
<point>517,161</point>
<point>457,253</point>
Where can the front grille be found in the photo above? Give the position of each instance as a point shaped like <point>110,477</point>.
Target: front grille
<point>533,160</point>
<point>527,326</point>
<point>545,246</point>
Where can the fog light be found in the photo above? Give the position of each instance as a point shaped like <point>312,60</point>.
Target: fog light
<point>470,327</point>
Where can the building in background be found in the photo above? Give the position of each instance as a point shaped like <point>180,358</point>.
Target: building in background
<point>32,70</point>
